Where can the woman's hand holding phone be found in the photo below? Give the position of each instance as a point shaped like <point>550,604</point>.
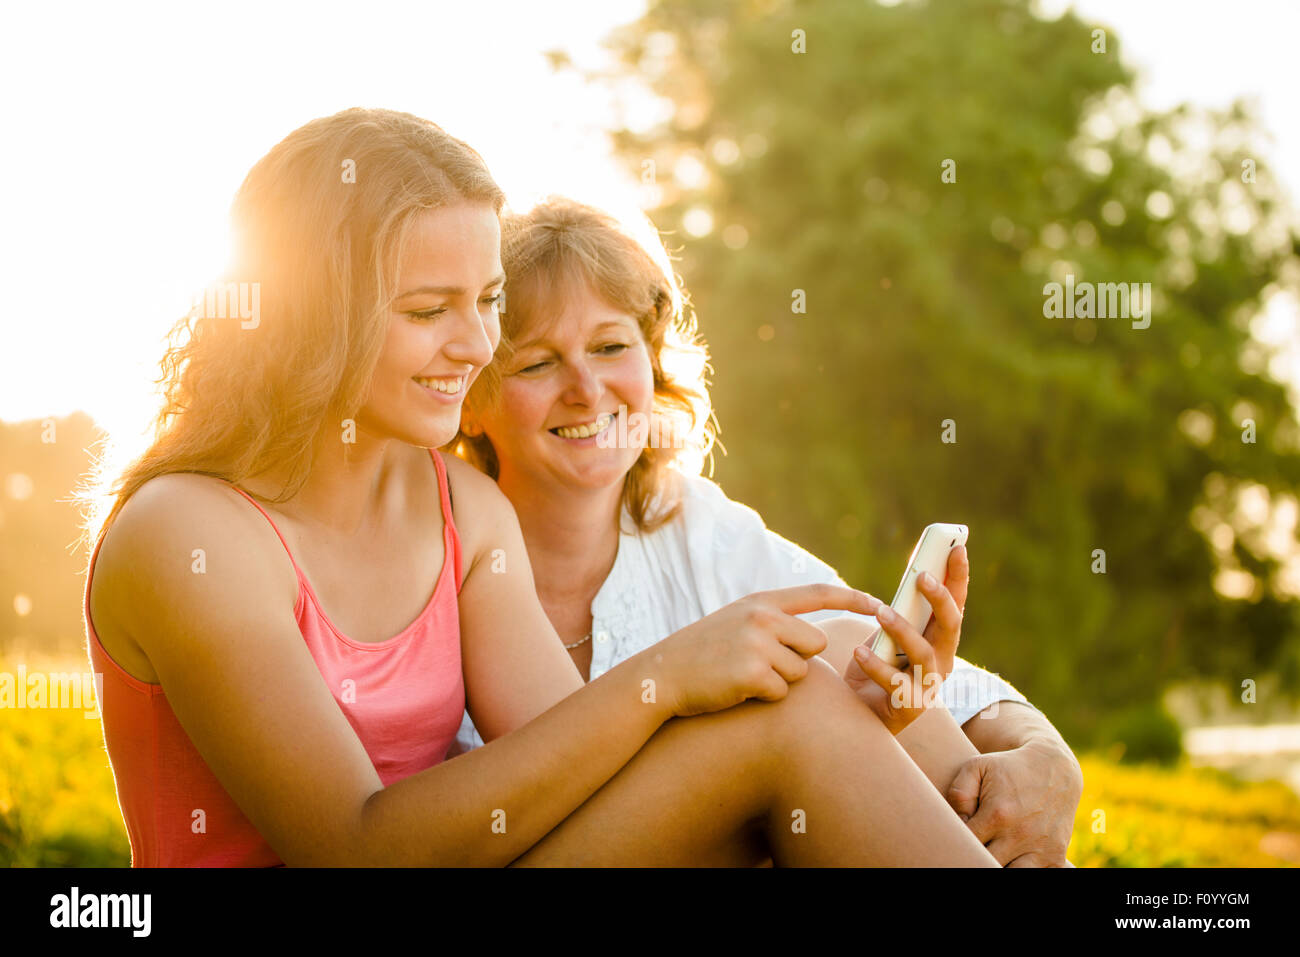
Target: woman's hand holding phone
<point>899,696</point>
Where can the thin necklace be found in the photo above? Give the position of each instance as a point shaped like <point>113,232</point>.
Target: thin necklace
<point>577,643</point>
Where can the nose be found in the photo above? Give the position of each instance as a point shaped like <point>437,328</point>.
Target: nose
<point>473,342</point>
<point>581,386</point>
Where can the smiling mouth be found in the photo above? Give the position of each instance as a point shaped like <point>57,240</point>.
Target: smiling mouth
<point>586,430</point>
<point>449,385</point>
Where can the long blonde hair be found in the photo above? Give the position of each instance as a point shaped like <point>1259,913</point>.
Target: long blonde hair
<point>317,224</point>
<point>561,246</point>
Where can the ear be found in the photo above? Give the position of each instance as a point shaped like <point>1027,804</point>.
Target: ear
<point>469,423</point>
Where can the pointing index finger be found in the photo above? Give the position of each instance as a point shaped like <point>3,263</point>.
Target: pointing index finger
<point>801,599</point>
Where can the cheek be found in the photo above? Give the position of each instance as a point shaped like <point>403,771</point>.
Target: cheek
<point>523,407</point>
<point>640,379</point>
<point>383,381</point>
<point>400,345</point>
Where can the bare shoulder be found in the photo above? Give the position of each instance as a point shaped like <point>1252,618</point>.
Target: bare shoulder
<point>185,538</point>
<point>469,480</point>
<point>184,510</point>
<point>478,504</point>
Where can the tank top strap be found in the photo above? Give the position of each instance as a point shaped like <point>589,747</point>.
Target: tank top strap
<point>451,536</point>
<point>274,527</point>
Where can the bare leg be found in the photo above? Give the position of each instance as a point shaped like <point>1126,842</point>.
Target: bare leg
<point>814,779</point>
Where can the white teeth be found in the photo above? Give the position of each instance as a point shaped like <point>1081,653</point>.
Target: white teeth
<point>450,386</point>
<point>588,430</point>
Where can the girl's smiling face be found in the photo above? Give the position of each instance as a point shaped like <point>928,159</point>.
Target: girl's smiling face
<point>443,326</point>
<point>568,396</point>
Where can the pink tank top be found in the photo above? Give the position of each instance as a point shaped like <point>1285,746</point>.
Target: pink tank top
<point>404,697</point>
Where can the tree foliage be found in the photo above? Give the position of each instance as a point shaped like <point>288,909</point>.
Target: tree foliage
<point>823,171</point>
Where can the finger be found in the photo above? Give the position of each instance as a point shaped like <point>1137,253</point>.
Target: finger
<point>945,632</point>
<point>878,670</point>
<point>942,602</point>
<point>1004,849</point>
<point>801,599</point>
<point>853,670</point>
<point>919,651</point>
<point>771,687</point>
<point>883,645</point>
<point>789,664</point>
<point>800,636</point>
<point>1030,860</point>
<point>983,824</point>
<point>964,792</point>
<point>958,578</point>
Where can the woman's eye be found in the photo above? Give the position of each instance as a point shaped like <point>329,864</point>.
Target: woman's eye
<point>613,349</point>
<point>428,313</point>
<point>536,366</point>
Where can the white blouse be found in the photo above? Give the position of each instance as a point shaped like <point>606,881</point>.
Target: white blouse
<point>713,552</point>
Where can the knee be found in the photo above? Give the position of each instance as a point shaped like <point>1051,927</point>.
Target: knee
<point>822,677</point>
<point>822,703</point>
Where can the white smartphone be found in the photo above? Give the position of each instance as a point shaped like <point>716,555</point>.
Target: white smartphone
<point>929,555</point>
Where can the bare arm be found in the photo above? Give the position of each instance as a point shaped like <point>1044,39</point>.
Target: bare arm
<point>1010,724</point>
<point>546,750</point>
<point>246,690</point>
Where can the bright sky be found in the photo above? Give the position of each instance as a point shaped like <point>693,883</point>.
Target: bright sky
<point>129,132</point>
<point>1210,52</point>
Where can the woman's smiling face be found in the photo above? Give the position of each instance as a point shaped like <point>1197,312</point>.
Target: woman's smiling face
<point>567,397</point>
<point>443,326</point>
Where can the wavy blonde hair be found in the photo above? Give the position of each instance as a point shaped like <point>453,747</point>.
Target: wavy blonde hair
<point>561,247</point>
<point>318,225</point>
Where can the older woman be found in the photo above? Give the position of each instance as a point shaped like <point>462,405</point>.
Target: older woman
<point>587,417</point>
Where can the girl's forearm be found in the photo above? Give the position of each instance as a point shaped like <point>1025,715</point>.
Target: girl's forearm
<point>487,807</point>
<point>938,746</point>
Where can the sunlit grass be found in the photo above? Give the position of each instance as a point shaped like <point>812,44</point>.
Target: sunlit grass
<point>1184,817</point>
<point>58,806</point>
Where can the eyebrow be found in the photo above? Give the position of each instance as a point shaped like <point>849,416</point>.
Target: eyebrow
<point>446,290</point>
<point>623,324</point>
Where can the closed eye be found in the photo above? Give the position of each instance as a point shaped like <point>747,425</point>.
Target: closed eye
<point>426,314</point>
<point>611,349</point>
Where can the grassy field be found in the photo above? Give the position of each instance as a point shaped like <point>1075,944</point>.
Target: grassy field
<point>1147,816</point>
<point>58,807</point>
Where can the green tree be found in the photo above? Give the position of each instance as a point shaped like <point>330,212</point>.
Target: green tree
<point>824,171</point>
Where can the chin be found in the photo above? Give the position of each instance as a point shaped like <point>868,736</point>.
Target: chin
<point>599,477</point>
<point>428,436</point>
